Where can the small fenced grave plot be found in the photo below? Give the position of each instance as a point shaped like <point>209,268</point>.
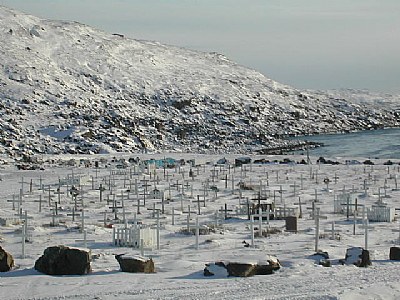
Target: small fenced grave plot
<point>132,236</point>
<point>345,203</point>
<point>75,179</point>
<point>281,212</point>
<point>379,213</point>
<point>8,221</point>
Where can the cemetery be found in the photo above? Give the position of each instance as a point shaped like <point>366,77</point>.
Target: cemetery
<point>199,217</point>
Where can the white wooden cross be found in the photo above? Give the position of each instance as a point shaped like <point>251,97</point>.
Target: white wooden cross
<point>13,201</point>
<point>83,217</point>
<point>333,231</point>
<point>294,186</point>
<point>173,214</point>
<point>233,183</point>
<point>316,194</point>
<point>40,202</point>
<point>26,217</point>
<point>59,193</point>
<point>22,182</point>
<point>336,178</point>
<point>73,214</point>
<point>252,230</point>
<point>85,240</point>
<point>260,216</point>
<point>316,176</point>
<point>317,217</point>
<point>366,227</point>
<point>23,237</point>
<point>299,203</point>
<point>395,184</point>
<point>158,229</point>
<point>53,216</point>
<point>115,207</point>
<point>197,232</point>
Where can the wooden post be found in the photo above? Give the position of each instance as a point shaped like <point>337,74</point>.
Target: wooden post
<point>158,229</point>
<point>197,232</point>
<point>252,230</point>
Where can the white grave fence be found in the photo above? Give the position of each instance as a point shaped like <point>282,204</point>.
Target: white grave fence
<point>380,214</point>
<point>341,202</point>
<point>283,212</point>
<point>131,236</point>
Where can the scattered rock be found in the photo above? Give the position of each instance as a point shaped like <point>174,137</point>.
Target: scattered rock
<point>62,260</point>
<point>322,258</point>
<point>6,261</point>
<point>242,269</point>
<point>394,253</point>
<point>325,263</point>
<point>324,254</point>
<point>135,264</point>
<point>217,269</point>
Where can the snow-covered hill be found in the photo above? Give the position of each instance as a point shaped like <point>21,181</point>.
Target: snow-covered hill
<point>68,88</point>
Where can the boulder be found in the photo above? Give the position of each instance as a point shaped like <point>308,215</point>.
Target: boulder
<point>325,263</point>
<point>357,256</point>
<point>268,267</point>
<point>6,261</point>
<point>242,269</point>
<point>62,260</point>
<point>322,258</point>
<point>322,254</point>
<point>394,253</point>
<point>217,269</point>
<point>135,264</point>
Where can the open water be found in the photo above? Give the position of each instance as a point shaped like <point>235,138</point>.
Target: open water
<point>383,143</point>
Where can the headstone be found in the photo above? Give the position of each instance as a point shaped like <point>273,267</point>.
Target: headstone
<point>394,253</point>
<point>291,224</point>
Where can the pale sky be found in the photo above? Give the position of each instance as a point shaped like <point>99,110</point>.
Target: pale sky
<point>315,44</point>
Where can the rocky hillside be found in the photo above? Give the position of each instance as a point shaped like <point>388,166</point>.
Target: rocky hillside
<point>68,88</point>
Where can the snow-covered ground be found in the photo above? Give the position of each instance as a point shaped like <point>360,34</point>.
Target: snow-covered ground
<point>179,265</point>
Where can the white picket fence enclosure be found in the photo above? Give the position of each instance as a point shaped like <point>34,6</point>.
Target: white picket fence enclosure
<point>340,203</point>
<point>131,236</point>
<point>281,213</point>
<point>380,214</point>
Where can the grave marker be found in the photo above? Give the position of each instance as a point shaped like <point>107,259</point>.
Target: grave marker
<point>85,240</point>
<point>317,218</point>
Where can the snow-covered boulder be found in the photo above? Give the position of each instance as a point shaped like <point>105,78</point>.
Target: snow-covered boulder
<point>135,264</point>
<point>322,258</point>
<point>62,260</point>
<point>357,256</point>
<point>242,269</point>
